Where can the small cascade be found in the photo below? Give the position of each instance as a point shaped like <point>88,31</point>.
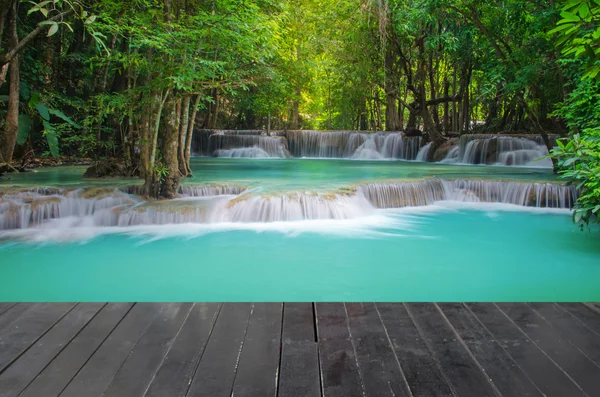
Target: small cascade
<point>213,190</point>
<point>352,144</point>
<point>500,150</point>
<point>403,194</point>
<point>427,192</point>
<point>541,195</point>
<point>228,145</point>
<point>253,152</point>
<point>201,139</point>
<point>388,146</point>
<point>423,152</point>
<point>229,203</point>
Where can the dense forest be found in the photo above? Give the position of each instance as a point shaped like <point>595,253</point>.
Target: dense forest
<point>132,80</point>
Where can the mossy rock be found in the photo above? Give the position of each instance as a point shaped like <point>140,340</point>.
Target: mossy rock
<point>444,148</point>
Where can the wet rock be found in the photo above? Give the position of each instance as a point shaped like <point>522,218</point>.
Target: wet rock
<point>105,168</point>
<point>444,148</point>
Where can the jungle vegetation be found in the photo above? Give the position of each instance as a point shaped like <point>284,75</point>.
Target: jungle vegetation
<point>132,80</point>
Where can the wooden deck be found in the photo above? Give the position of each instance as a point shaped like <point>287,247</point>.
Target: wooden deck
<point>299,349</point>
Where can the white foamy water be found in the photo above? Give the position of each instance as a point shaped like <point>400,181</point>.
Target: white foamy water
<point>56,214</point>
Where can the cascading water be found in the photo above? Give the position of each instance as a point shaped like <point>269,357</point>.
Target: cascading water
<point>229,203</point>
<point>227,145</point>
<point>499,150</point>
<point>423,152</point>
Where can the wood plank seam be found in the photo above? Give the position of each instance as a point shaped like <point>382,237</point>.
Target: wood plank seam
<point>315,332</point>
<point>215,319</point>
<point>237,360</point>
<point>565,337</point>
<point>542,350</point>
<point>461,342</point>
<point>36,340</point>
<point>360,376</point>
<point>280,351</point>
<point>168,349</point>
<point>428,345</point>
<point>63,348</point>
<point>96,349</point>
<point>410,393</point>
<point>577,318</point>
<point>8,308</point>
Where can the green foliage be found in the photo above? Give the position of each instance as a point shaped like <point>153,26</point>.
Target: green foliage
<point>579,161</point>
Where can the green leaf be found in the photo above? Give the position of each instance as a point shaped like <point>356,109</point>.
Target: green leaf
<point>24,91</point>
<point>4,98</point>
<point>24,127</point>
<point>43,110</point>
<point>52,138</point>
<point>569,16</point>
<point>63,116</point>
<point>53,29</point>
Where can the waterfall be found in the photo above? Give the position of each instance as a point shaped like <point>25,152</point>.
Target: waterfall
<point>229,145</point>
<point>427,192</point>
<point>352,144</point>
<point>499,150</point>
<point>423,152</point>
<point>229,203</point>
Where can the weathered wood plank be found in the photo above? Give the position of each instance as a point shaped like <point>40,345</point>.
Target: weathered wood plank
<point>259,363</point>
<point>569,328</point>
<point>136,373</point>
<point>538,367</point>
<point>21,372</point>
<point>298,322</point>
<point>339,368</point>
<point>421,370</point>
<point>299,370</point>
<point>461,369</point>
<point>55,377</point>
<point>498,365</point>
<point>216,372</point>
<point>377,362</point>
<point>27,329</point>
<point>15,312</point>
<point>98,372</point>
<point>175,374</point>
<point>5,306</point>
<point>582,313</point>
<point>581,369</point>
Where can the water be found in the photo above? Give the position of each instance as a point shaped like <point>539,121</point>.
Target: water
<point>441,254</point>
<point>293,229</point>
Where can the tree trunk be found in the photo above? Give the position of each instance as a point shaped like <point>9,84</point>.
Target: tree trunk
<point>295,123</point>
<point>189,136</point>
<point>11,126</point>
<point>214,113</point>
<point>183,128</point>
<point>151,183</point>
<point>446,105</point>
<point>170,142</point>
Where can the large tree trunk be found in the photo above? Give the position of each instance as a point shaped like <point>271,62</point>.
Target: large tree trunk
<point>170,142</point>
<point>151,182</point>
<point>189,136</point>
<point>11,126</point>
<point>183,128</point>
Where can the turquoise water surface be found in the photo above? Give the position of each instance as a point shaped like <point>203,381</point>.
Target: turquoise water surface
<point>443,254</point>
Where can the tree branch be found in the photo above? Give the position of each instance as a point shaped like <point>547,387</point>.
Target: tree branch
<point>32,35</point>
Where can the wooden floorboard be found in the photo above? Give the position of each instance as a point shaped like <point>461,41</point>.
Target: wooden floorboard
<point>176,371</point>
<point>546,375</point>
<point>38,356</point>
<point>420,368</point>
<point>299,350</point>
<point>572,361</point>
<point>298,322</point>
<point>339,368</point>
<point>299,370</point>
<point>215,375</point>
<point>5,306</point>
<point>461,369</point>
<point>508,378</point>
<point>97,373</point>
<point>377,362</point>
<point>138,370</point>
<point>259,363</point>
<point>57,375</point>
<point>27,329</point>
